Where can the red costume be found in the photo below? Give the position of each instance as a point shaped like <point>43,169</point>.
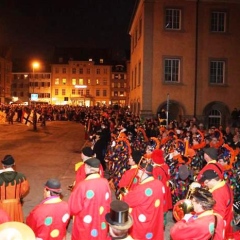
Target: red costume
<point>88,203</point>
<point>199,227</point>
<point>81,175</point>
<point>212,165</point>
<point>129,179</point>
<point>49,219</point>
<point>223,195</point>
<point>161,172</point>
<point>146,201</point>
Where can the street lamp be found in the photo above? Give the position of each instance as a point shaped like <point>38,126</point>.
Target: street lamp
<point>35,65</point>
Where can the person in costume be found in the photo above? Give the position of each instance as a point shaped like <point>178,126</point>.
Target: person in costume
<point>13,187</point>
<point>161,172</point>
<point>88,203</point>
<point>146,202</point>
<point>50,218</point>
<point>211,157</point>
<point>222,194</point>
<point>204,224</point>
<point>129,178</point>
<point>119,221</point>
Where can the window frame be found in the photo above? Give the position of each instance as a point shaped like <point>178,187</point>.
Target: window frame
<point>179,74</point>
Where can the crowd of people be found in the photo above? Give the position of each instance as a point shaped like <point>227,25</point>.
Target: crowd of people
<point>150,169</point>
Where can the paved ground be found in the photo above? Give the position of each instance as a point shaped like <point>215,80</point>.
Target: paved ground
<point>51,151</point>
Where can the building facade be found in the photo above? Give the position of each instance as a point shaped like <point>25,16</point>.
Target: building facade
<point>119,84</point>
<point>30,88</point>
<point>5,80</point>
<point>185,59</point>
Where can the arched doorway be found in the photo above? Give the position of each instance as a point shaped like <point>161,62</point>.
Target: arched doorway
<point>216,113</point>
<point>175,112</point>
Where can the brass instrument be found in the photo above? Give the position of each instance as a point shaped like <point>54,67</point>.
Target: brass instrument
<point>185,206</point>
<point>124,190</point>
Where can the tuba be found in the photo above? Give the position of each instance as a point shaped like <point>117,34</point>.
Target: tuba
<point>185,206</point>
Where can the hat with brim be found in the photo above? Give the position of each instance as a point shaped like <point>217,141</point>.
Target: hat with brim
<point>16,230</point>
<point>118,217</point>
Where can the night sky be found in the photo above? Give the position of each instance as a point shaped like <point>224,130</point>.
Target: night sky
<point>34,28</point>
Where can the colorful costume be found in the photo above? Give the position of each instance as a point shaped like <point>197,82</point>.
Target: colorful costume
<point>49,219</point>
<point>13,187</point>
<point>3,216</point>
<point>88,203</point>
<point>199,227</point>
<point>146,201</point>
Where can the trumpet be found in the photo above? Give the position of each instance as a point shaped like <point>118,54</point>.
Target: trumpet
<point>124,190</point>
<point>185,206</point>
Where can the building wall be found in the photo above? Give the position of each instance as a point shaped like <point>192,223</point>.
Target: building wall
<point>97,80</point>
<point>196,46</point>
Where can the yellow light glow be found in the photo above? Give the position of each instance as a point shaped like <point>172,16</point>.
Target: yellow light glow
<point>35,65</point>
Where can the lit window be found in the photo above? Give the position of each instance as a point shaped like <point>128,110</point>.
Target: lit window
<point>89,81</point>
<point>218,22</point>
<point>74,81</point>
<point>101,60</point>
<point>173,19</point>
<point>80,81</point>
<point>217,72</point>
<point>56,81</point>
<point>64,81</point>
<point>172,70</point>
<point>97,81</point>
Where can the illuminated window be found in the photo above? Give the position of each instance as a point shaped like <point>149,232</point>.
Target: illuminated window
<point>101,60</point>
<point>80,81</point>
<point>74,81</point>
<point>56,81</point>
<point>217,72</point>
<point>89,81</point>
<point>97,81</point>
<point>64,81</point>
<point>173,19</point>
<point>121,93</point>
<point>218,21</point>
<point>172,70</point>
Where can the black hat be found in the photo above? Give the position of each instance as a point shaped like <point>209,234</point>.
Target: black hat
<point>119,217</point>
<point>8,160</point>
<point>93,162</point>
<point>211,152</point>
<point>136,155</point>
<point>208,175</point>
<point>147,168</point>
<point>87,151</point>
<point>53,185</point>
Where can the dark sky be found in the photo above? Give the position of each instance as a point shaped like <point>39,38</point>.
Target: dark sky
<point>34,28</point>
